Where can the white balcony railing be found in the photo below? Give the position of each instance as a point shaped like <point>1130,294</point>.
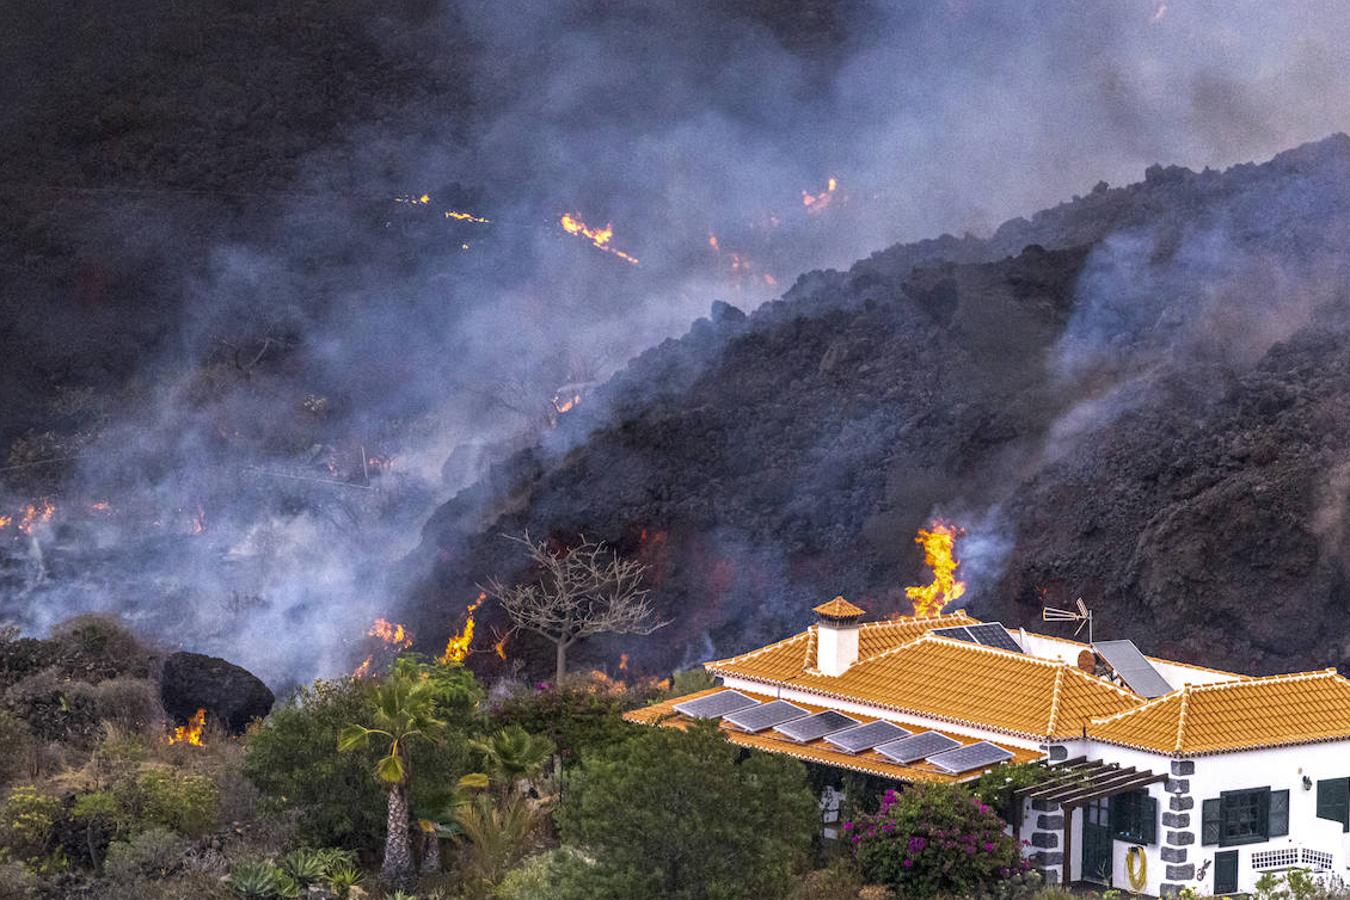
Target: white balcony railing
<point>1292,856</point>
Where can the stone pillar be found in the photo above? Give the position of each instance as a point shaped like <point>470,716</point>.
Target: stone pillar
<point>1047,839</point>
<point>1179,825</point>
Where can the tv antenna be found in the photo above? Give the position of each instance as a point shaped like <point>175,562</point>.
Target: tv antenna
<point>1082,615</point>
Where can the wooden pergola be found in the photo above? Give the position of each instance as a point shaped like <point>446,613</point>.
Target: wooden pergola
<point>1080,781</point>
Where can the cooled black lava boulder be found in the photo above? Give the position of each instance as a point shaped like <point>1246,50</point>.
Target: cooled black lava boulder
<point>229,694</point>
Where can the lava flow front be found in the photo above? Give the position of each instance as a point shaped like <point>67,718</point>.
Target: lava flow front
<point>939,554</point>
<point>600,237</point>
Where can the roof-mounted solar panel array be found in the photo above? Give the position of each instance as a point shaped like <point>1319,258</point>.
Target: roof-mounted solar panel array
<point>766,715</point>
<point>814,727</point>
<point>993,634</point>
<point>1133,668</point>
<point>714,705</point>
<point>865,737</point>
<point>971,756</point>
<point>916,747</point>
<point>990,634</point>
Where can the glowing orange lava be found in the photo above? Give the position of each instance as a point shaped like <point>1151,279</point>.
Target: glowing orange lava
<point>465,217</point>
<point>35,514</point>
<point>817,203</point>
<point>599,237</point>
<point>939,546</point>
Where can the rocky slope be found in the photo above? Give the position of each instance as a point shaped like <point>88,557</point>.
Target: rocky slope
<point>1140,397</point>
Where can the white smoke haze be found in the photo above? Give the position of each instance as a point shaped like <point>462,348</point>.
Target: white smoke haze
<point>674,123</point>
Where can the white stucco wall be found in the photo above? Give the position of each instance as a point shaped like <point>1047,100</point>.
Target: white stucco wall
<point>1278,769</point>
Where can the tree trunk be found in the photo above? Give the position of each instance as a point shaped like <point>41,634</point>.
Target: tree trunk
<point>562,664</point>
<point>431,852</point>
<point>397,871</point>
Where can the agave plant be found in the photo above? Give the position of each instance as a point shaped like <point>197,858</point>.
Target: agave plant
<point>305,866</point>
<point>262,881</point>
<point>342,877</point>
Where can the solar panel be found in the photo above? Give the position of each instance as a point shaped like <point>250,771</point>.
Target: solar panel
<point>817,726</point>
<point>1133,668</point>
<point>865,737</point>
<point>993,634</point>
<point>971,756</point>
<point>766,715</point>
<point>916,746</point>
<point>714,705</point>
<point>958,632</point>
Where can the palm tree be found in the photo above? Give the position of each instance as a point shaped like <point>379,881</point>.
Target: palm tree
<point>438,819</point>
<point>405,711</point>
<point>513,755</point>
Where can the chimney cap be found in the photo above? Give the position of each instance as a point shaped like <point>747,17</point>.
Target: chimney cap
<point>839,608</point>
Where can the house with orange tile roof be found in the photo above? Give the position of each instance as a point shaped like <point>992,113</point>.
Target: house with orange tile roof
<point>1161,775</point>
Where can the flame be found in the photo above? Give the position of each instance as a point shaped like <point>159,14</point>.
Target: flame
<point>712,242</point>
<point>939,543</point>
<point>5,520</point>
<point>191,733</point>
<point>465,217</point>
<point>458,647</point>
<point>199,521</point>
<point>363,670</point>
<point>499,646</point>
<point>769,279</point>
<point>623,662</point>
<point>391,633</point>
<point>101,506</point>
<point>35,514</point>
<point>816,203</point>
<point>563,405</point>
<point>599,237</point>
<point>423,200</point>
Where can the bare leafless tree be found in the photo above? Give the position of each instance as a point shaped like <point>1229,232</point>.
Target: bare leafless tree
<point>583,591</point>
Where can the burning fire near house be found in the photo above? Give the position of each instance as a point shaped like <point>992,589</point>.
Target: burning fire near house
<point>675,449</point>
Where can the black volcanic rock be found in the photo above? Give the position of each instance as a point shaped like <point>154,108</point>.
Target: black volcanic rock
<point>228,693</point>
<point>1141,398</point>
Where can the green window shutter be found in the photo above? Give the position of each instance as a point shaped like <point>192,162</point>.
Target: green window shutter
<point>1278,820</point>
<point>1263,814</point>
<point>1333,801</point>
<point>1116,815</point>
<point>1149,832</point>
<point>1210,822</point>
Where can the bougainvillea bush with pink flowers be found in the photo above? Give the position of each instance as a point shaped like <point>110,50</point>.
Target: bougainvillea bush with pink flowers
<point>934,839</point>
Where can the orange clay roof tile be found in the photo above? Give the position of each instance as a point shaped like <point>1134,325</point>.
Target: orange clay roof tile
<point>1237,715</point>
<point>971,684</point>
<point>839,608</point>
<point>792,656</point>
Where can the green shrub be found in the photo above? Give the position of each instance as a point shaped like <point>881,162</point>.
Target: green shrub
<point>691,681</point>
<point>292,758</point>
<point>180,801</point>
<point>555,875</point>
<point>578,721</point>
<point>934,839</point>
<point>92,821</point>
<point>26,821</point>
<point>997,786</point>
<point>674,813</point>
<point>154,853</point>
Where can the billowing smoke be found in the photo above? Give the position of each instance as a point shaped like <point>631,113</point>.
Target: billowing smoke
<point>310,366</point>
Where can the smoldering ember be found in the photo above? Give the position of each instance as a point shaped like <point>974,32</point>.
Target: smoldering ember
<point>833,450</point>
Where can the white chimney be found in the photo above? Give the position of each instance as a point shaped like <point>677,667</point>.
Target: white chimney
<point>837,636</point>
